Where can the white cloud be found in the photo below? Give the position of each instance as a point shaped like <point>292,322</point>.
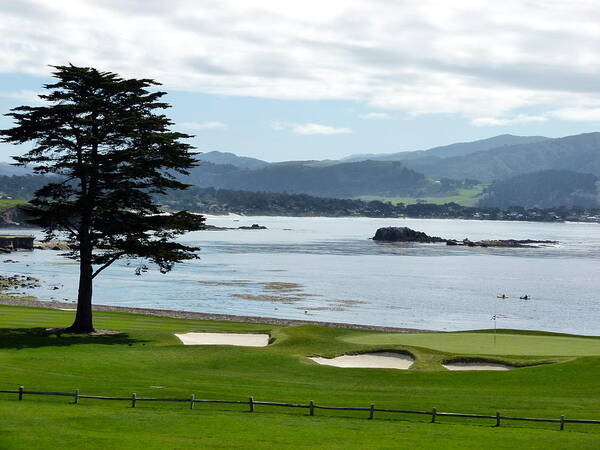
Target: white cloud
<point>200,126</point>
<point>22,95</point>
<point>374,115</point>
<point>578,114</point>
<point>468,57</point>
<point>309,128</point>
<point>500,121</point>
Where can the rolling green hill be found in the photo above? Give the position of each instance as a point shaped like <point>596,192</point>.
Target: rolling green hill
<point>543,189</point>
<point>385,178</point>
<point>580,153</point>
<point>447,151</point>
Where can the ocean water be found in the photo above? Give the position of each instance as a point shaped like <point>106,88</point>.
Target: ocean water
<point>328,269</point>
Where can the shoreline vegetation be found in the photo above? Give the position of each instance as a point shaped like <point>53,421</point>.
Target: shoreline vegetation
<point>211,201</point>
<point>13,217</point>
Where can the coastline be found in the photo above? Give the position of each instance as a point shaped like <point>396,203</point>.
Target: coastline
<point>179,314</point>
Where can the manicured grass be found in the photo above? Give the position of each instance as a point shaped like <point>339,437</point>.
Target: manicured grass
<point>5,204</point>
<point>463,197</point>
<point>49,425</point>
<point>485,344</point>
<point>147,359</point>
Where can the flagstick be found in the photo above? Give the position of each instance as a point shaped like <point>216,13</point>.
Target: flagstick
<point>494,319</point>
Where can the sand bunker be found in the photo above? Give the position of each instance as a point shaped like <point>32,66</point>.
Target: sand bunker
<point>238,339</point>
<point>476,366</point>
<point>380,360</point>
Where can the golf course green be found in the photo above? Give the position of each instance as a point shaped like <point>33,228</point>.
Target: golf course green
<point>562,377</point>
<point>504,343</point>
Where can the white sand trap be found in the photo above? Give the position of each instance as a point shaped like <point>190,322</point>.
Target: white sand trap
<point>476,366</point>
<point>380,360</point>
<point>238,339</point>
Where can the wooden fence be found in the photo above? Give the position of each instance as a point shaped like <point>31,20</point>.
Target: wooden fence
<point>311,406</point>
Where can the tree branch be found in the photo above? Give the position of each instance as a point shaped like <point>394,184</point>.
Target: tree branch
<point>104,266</point>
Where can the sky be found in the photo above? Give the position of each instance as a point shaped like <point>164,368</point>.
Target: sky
<point>298,80</point>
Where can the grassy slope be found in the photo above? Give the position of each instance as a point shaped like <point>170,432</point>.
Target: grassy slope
<point>148,355</point>
<point>464,197</point>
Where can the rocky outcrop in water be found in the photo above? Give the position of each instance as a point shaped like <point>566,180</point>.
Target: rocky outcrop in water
<point>254,226</point>
<point>405,234</point>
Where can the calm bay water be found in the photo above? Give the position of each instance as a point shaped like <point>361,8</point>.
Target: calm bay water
<point>328,269</point>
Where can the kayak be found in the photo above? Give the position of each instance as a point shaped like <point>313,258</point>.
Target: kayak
<point>501,296</point>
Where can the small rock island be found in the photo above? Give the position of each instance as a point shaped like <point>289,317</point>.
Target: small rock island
<point>405,234</point>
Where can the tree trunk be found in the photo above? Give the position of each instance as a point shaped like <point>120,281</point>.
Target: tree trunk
<point>83,319</point>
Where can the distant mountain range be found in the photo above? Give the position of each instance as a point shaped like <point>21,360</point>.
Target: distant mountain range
<point>437,172</point>
<point>234,160</point>
<point>382,178</point>
<point>448,151</point>
<point>579,153</point>
<point>405,173</point>
<point>9,169</point>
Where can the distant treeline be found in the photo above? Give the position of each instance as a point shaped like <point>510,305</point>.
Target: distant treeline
<point>223,201</point>
<point>21,187</point>
<point>543,189</point>
<point>576,187</point>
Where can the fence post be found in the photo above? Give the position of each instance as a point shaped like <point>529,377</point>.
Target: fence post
<point>133,400</point>
<point>21,389</point>
<point>251,403</point>
<point>312,408</point>
<point>433,414</point>
<point>372,411</point>
<point>76,397</point>
<point>497,418</point>
<point>192,398</point>
<point>562,423</point>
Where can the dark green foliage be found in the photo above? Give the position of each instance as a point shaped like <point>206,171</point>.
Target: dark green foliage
<point>543,189</point>
<point>219,201</point>
<point>112,153</point>
<point>580,153</point>
<point>21,187</point>
<point>222,201</point>
<point>385,178</point>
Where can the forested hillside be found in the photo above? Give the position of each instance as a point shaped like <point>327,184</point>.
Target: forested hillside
<point>543,189</point>
<point>21,187</point>
<point>448,151</point>
<point>384,178</point>
<point>580,153</point>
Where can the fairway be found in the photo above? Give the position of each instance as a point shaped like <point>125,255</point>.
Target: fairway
<point>148,359</point>
<point>485,344</point>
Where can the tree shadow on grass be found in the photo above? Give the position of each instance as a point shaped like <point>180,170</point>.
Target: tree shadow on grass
<point>19,338</point>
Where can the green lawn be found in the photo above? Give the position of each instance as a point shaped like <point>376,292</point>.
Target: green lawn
<point>147,359</point>
<point>485,344</point>
<point>5,204</point>
<point>463,197</point>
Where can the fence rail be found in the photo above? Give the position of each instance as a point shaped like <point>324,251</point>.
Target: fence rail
<point>311,406</point>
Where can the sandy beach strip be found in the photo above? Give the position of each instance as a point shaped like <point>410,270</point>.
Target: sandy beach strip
<point>16,301</point>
